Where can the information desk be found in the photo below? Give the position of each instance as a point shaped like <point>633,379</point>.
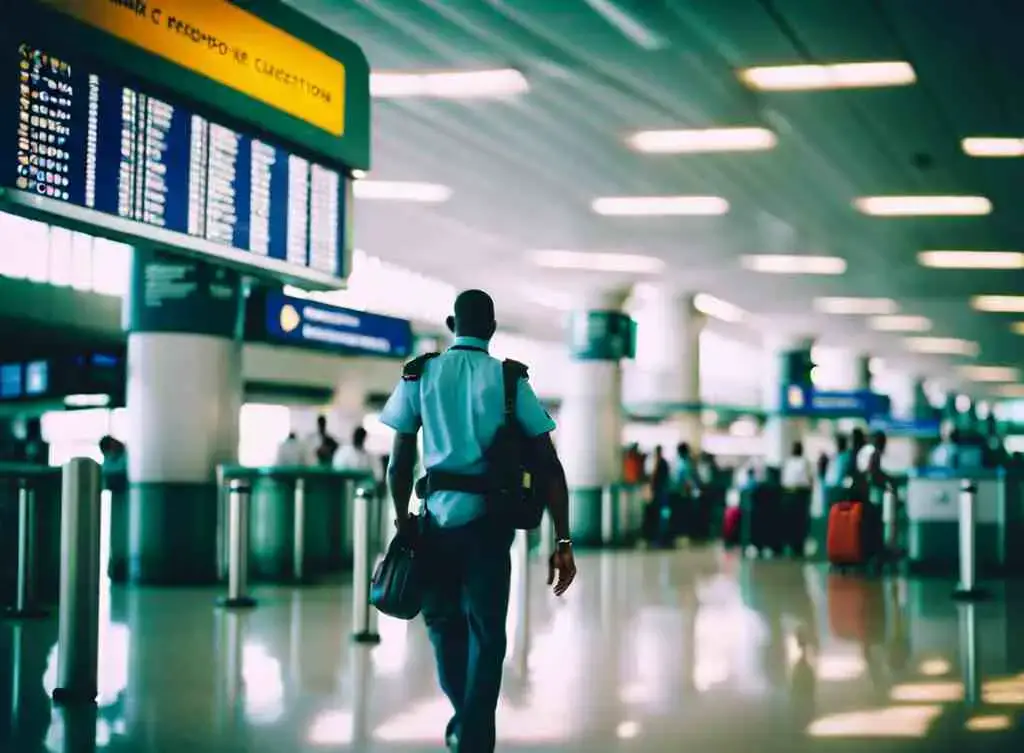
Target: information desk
<point>327,499</point>
<point>933,519</point>
<point>45,481</point>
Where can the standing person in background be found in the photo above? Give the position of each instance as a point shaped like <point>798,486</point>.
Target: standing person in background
<point>291,452</point>
<point>355,458</point>
<point>326,445</point>
<point>797,486</point>
<point>659,478</point>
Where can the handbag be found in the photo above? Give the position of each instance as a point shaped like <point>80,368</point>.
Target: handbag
<point>396,588</point>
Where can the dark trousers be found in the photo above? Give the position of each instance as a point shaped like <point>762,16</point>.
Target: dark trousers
<point>465,606</point>
<point>797,504</point>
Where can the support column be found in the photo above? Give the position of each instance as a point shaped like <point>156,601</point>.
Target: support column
<point>784,372</point>
<point>667,368</point>
<point>183,318</point>
<point>589,432</point>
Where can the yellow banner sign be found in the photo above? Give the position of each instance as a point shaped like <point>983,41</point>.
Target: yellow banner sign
<point>230,46</point>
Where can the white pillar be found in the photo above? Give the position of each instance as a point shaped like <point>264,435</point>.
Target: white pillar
<point>667,367</point>
<point>589,431</point>
<point>780,431</point>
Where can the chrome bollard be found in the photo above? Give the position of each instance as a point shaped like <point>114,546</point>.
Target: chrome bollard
<point>25,607</point>
<point>364,628</point>
<point>238,547</point>
<point>890,520</point>
<point>78,629</point>
<point>609,505</point>
<point>547,535</point>
<point>299,531</point>
<point>521,636</point>
<point>968,588</point>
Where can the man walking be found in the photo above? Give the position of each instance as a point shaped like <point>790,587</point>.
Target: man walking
<point>457,398</point>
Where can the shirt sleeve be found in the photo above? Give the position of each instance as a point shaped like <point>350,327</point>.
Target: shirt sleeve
<point>531,414</point>
<point>402,410</point>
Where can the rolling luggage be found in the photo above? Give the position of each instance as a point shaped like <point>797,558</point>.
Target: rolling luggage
<point>760,520</point>
<point>853,537</point>
<point>731,524</point>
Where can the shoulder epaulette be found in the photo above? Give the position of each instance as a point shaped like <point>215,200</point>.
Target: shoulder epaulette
<point>517,369</point>
<point>413,370</point>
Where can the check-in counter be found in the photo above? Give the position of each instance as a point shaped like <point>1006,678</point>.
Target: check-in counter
<point>44,482</point>
<point>933,519</point>
<point>325,498</point>
<point>589,523</point>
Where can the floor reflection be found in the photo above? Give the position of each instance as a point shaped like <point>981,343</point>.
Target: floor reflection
<point>652,651</point>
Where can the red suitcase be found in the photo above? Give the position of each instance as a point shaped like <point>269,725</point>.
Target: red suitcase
<point>850,536</point>
<point>731,526</point>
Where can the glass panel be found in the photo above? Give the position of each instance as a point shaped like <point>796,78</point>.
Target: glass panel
<point>34,244</point>
<point>111,267</point>
<point>81,261</point>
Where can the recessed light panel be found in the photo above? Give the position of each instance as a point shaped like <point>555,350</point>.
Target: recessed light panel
<point>976,373</point>
<point>923,206</point>
<point>971,259</point>
<point>597,261</point>
<point>716,308</point>
<point>999,304</point>
<point>856,306</point>
<point>794,264</point>
<point>660,206</point>
<point>990,146</point>
<point>390,190</point>
<point>1010,391</point>
<point>697,140</point>
<point>900,323</point>
<point>482,84</point>
<point>942,346</point>
<point>833,76</point>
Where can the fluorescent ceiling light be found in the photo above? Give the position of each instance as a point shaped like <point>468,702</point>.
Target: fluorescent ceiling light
<point>989,373</point>
<point>923,206</point>
<point>389,190</point>
<point>794,264</point>
<point>718,309</point>
<point>660,206</point>
<point>1013,391</point>
<point>856,306</point>
<point>942,346</point>
<point>971,259</point>
<point>900,323</point>
<point>484,84</point>
<point>834,76</point>
<point>628,25</point>
<point>999,304</point>
<point>696,140</point>
<point>594,261</point>
<point>986,146</point>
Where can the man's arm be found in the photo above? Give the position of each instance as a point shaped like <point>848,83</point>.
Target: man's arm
<point>553,484</point>
<point>401,470</point>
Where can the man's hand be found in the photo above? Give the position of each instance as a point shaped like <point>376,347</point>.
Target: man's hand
<point>563,563</point>
<point>408,528</point>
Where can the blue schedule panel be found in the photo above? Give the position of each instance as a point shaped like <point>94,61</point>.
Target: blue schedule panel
<point>92,139</point>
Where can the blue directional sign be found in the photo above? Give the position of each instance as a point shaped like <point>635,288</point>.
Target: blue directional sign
<point>921,428</point>
<point>312,324</point>
<point>803,400</point>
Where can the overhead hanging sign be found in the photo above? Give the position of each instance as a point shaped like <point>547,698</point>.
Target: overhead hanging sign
<point>312,324</point>
<point>802,400</point>
<point>230,46</point>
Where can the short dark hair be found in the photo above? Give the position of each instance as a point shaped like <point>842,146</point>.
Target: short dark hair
<point>474,315</point>
<point>359,436</point>
<point>798,448</point>
<point>683,448</point>
<point>842,442</point>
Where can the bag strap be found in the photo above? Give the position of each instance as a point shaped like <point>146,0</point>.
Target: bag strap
<point>511,373</point>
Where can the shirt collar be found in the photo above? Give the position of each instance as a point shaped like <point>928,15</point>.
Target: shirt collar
<point>472,342</point>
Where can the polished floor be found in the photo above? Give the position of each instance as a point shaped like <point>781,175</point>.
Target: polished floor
<point>651,651</point>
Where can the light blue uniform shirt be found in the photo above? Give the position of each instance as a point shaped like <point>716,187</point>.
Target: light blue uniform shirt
<point>459,401</point>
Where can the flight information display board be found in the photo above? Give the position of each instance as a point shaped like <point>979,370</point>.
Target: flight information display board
<point>86,139</point>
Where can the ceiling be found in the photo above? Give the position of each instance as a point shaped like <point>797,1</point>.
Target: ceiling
<point>524,171</point>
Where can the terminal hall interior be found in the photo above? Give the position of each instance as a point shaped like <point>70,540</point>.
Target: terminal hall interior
<point>761,258</point>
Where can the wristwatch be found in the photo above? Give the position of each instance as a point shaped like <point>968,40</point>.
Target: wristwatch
<point>563,543</point>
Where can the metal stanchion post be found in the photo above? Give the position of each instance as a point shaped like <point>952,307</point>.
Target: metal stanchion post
<point>222,536</point>
<point>25,607</point>
<point>608,504</point>
<point>238,547</point>
<point>363,629</point>
<point>78,630</point>
<point>299,531</point>
<point>547,535</point>
<point>623,514</point>
<point>521,644</point>
<point>968,588</point>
